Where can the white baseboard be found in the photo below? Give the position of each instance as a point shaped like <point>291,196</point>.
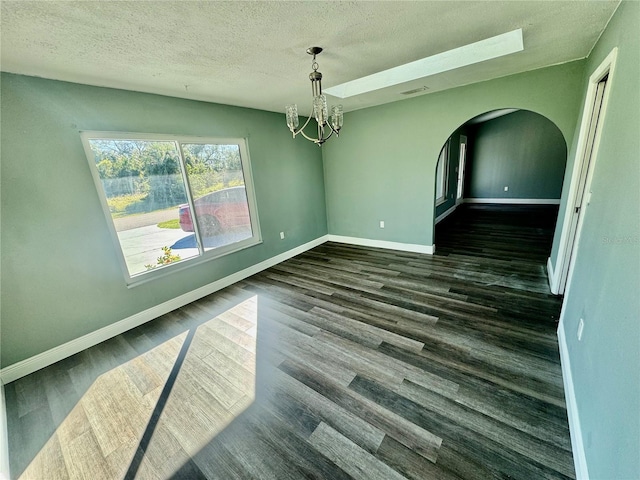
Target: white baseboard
<point>4,439</point>
<point>552,280</point>
<point>444,215</point>
<point>577,445</point>
<point>367,242</point>
<point>44,359</point>
<point>515,201</point>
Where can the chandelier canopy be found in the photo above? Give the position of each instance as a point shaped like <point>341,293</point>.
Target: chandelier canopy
<point>318,109</point>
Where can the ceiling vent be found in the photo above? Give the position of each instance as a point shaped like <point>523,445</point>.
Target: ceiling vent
<point>415,90</point>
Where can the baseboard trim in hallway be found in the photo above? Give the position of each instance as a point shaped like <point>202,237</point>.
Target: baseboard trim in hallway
<point>367,242</point>
<point>550,274</point>
<point>515,201</point>
<point>577,445</point>
<point>444,215</point>
<point>4,439</point>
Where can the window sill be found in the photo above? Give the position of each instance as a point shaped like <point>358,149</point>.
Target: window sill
<point>145,277</point>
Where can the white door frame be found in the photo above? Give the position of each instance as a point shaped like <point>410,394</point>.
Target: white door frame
<point>462,160</point>
<point>569,237</point>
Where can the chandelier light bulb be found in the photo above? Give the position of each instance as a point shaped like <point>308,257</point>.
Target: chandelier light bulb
<point>320,109</point>
<point>292,116</point>
<point>337,118</point>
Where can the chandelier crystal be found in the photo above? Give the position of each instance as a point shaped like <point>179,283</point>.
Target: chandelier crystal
<point>319,109</point>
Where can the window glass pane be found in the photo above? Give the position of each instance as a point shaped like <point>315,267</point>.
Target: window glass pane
<point>217,185</point>
<point>143,185</point>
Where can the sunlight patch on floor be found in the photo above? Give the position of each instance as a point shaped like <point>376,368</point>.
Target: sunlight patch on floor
<point>215,382</point>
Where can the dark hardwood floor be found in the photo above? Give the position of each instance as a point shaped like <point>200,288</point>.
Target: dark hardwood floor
<point>343,362</point>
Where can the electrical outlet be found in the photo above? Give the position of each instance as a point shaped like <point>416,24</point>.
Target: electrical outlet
<point>580,329</point>
<point>506,189</point>
<point>381,223</point>
<point>281,235</point>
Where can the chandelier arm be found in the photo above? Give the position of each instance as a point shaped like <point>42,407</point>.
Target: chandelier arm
<point>317,141</point>
<point>302,127</point>
<point>311,139</point>
<point>329,136</point>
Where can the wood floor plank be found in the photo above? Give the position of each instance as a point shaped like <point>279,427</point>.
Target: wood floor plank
<point>303,351</point>
<point>310,462</point>
<point>420,440</point>
<point>459,462</point>
<point>347,455</point>
<point>242,379</point>
<point>343,325</point>
<point>235,352</point>
<point>355,428</point>
<point>49,464</point>
<point>74,425</point>
<point>84,459</point>
<point>535,448</point>
<point>217,463</point>
<point>216,384</point>
<point>533,419</point>
<point>143,375</point>
<point>408,463</point>
<point>280,316</point>
<point>258,457</point>
<point>109,415</point>
<point>398,370</point>
<point>474,445</point>
<point>440,361</point>
<point>30,395</point>
<point>189,425</point>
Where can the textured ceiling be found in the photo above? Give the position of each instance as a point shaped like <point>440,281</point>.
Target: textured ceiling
<point>252,54</point>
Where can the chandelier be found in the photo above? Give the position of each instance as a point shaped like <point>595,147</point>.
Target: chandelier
<point>318,109</point>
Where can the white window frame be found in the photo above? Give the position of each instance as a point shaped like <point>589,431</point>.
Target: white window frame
<point>443,181</point>
<point>204,256</point>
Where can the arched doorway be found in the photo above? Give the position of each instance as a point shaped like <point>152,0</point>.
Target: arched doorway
<point>508,159</point>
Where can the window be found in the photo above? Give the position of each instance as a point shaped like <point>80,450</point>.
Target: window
<point>442,174</point>
<point>173,201</point>
<point>462,160</point>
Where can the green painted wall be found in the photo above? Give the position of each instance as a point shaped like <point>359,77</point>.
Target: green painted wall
<point>383,165</point>
<point>605,286</point>
<point>521,150</point>
<point>60,274</point>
